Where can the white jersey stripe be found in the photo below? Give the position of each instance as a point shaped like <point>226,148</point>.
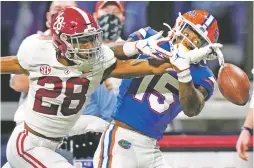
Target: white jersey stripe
<point>143,32</point>
<point>86,18</point>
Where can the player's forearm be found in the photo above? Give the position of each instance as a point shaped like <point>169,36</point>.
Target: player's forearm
<point>128,69</point>
<point>191,100</point>
<point>137,68</point>
<point>249,119</point>
<point>10,65</point>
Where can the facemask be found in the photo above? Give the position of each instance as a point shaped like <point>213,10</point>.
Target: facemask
<point>111,27</point>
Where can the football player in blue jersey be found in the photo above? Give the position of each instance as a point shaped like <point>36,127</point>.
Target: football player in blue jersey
<point>148,104</point>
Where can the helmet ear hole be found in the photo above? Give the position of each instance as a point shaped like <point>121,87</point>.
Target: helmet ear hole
<point>63,37</point>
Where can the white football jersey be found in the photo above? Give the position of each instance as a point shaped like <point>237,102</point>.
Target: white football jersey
<point>57,93</point>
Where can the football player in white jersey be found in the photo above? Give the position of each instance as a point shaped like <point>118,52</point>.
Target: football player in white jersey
<point>61,80</point>
<point>20,82</point>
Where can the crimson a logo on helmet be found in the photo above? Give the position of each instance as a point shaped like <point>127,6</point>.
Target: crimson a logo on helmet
<point>45,69</point>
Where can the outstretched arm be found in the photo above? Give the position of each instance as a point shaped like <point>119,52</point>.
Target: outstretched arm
<point>10,65</point>
<point>131,48</point>
<point>137,68</point>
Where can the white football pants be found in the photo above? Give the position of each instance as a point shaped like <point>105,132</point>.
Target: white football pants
<point>123,148</point>
<point>30,151</point>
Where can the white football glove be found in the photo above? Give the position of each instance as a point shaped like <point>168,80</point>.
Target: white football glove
<point>209,52</point>
<point>181,57</point>
<point>181,62</point>
<point>148,46</point>
<point>220,57</point>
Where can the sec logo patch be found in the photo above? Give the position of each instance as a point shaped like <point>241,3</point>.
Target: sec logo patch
<point>45,69</point>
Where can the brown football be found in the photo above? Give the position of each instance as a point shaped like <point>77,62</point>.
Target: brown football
<point>234,84</point>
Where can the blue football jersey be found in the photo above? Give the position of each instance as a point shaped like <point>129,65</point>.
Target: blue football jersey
<point>148,104</point>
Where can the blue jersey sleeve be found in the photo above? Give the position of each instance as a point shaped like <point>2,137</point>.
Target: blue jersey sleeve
<point>142,33</point>
<point>145,33</point>
<point>203,76</point>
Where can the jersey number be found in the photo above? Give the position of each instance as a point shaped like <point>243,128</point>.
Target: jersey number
<point>160,85</point>
<point>71,101</point>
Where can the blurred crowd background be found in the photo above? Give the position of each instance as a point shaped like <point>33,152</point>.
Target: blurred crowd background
<point>235,20</point>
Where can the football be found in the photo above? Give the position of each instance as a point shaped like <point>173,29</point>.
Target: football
<point>234,84</point>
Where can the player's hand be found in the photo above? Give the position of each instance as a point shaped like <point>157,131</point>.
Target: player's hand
<point>242,144</point>
<point>183,58</point>
<point>178,57</point>
<point>148,46</point>
<point>209,52</point>
<point>220,56</point>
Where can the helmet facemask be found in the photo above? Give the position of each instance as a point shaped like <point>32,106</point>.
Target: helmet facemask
<point>84,49</point>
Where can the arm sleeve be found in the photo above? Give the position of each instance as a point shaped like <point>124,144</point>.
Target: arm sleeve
<point>22,54</point>
<point>34,51</point>
<point>142,33</point>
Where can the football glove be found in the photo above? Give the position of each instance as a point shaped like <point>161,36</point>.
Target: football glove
<point>148,46</point>
<point>209,52</point>
<point>181,58</point>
